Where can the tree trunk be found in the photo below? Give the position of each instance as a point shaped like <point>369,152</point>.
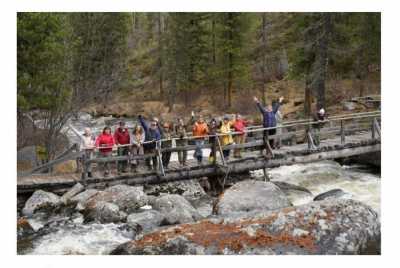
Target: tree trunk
<point>160,53</point>
<point>230,60</point>
<point>321,61</point>
<point>307,96</point>
<point>264,56</point>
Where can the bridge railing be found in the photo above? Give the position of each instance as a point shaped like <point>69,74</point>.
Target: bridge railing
<point>295,130</point>
<point>292,132</point>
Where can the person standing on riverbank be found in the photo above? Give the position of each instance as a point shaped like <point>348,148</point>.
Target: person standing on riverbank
<point>200,130</point>
<point>138,137</point>
<point>121,137</point>
<point>152,136</point>
<point>105,142</point>
<point>269,119</point>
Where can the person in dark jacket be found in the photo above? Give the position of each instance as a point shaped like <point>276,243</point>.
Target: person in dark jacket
<point>318,116</point>
<point>122,137</point>
<point>180,132</point>
<point>166,135</point>
<point>269,119</point>
<point>213,127</point>
<point>152,136</point>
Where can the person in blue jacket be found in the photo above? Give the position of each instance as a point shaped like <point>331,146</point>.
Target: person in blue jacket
<point>269,118</point>
<point>152,135</point>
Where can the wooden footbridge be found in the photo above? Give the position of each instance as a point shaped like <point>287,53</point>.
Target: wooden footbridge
<point>340,136</point>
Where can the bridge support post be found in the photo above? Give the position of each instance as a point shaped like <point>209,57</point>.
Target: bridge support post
<point>84,167</point>
<point>342,135</point>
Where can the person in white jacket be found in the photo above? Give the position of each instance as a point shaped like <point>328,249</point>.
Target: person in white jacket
<point>87,145</point>
<point>138,137</point>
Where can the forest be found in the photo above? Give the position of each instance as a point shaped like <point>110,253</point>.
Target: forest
<point>69,62</point>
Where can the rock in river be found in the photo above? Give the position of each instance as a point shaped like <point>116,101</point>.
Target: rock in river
<point>103,212</point>
<point>189,188</point>
<point>145,221</point>
<point>127,198</point>
<point>40,200</point>
<point>176,209</point>
<point>251,195</point>
<point>76,189</point>
<point>341,226</point>
<point>334,193</point>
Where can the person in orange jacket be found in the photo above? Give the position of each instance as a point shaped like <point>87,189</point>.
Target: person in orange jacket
<point>200,130</point>
<point>240,126</point>
<point>105,142</point>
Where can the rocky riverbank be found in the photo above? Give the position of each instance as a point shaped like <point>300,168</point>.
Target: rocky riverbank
<point>250,217</point>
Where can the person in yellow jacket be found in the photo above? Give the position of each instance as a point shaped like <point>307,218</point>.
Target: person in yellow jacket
<point>225,128</point>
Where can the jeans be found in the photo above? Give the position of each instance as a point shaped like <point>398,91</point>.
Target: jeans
<point>239,139</point>
<point>106,165</point>
<point>137,150</point>
<point>88,156</point>
<point>154,158</point>
<point>182,155</point>
<point>122,164</point>
<point>198,153</point>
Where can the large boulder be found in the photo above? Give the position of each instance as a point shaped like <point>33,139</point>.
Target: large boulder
<point>41,200</point>
<point>251,195</point>
<point>145,221</point>
<point>127,198</point>
<point>326,227</point>
<point>176,209</point>
<point>103,212</point>
<point>188,188</point>
<point>76,189</point>
<point>84,196</point>
<point>334,193</point>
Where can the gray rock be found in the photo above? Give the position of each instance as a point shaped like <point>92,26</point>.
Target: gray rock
<point>76,189</point>
<point>40,200</point>
<point>188,188</point>
<point>103,212</point>
<point>83,197</point>
<point>340,226</point>
<point>145,221</point>
<point>251,195</point>
<point>334,193</point>
<point>176,209</point>
<point>204,205</point>
<point>127,198</point>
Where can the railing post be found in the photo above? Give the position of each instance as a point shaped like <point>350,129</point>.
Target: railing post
<point>342,136</point>
<point>373,129</point>
<point>84,167</point>
<point>214,150</point>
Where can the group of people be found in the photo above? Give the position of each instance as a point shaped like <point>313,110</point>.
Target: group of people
<point>150,135</point>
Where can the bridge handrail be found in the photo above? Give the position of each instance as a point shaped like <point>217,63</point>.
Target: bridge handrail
<point>310,122</point>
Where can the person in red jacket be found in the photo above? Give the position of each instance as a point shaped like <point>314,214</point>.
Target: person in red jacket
<point>105,143</point>
<point>239,125</point>
<point>121,137</point>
